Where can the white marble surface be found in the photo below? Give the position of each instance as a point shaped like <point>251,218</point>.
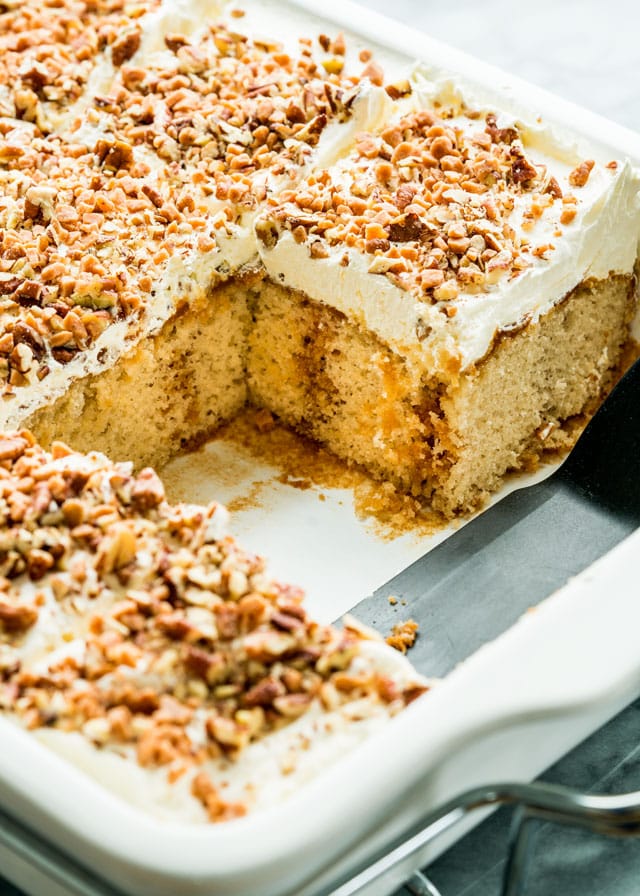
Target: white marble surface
<point>587,51</point>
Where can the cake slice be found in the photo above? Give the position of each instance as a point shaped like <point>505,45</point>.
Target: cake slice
<point>141,642</point>
<point>443,300</point>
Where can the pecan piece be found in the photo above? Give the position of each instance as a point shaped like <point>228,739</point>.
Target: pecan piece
<point>174,626</point>
<point>28,293</point>
<point>404,195</point>
<point>17,619</point>
<point>287,622</point>
<point>38,563</point>
<point>376,245</point>
<point>227,620</point>
<point>147,491</point>
<point>144,701</point>
<point>553,188</point>
<point>63,355</point>
<point>292,705</point>
<point>210,667</point>
<point>12,447</point>
<point>118,548</point>
<point>39,203</point>
<point>175,41</point>
<point>264,692</point>
<point>522,171</point>
<point>124,47</point>
<point>114,154</point>
<point>499,135</point>
<point>9,286</point>
<point>409,228</point>
<point>35,78</point>
<point>23,333</point>
<point>399,89</point>
<point>267,233</point>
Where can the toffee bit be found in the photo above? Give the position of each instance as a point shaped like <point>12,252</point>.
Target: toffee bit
<point>580,174</point>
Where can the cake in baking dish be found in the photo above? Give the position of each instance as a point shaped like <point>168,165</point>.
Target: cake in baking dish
<point>138,640</point>
<point>197,215</point>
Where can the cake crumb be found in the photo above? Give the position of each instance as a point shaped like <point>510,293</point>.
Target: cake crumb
<point>301,484</point>
<point>392,600</point>
<point>403,635</point>
<point>260,436</point>
<point>264,420</point>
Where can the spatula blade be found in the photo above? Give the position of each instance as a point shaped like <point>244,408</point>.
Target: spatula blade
<point>477,583</point>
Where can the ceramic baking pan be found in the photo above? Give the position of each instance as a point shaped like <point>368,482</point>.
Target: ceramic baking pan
<point>528,695</point>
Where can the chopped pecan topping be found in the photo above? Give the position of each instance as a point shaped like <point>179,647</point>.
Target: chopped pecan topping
<point>431,200</point>
<point>189,650</point>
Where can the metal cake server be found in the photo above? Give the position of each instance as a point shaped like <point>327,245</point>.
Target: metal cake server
<point>477,583</point>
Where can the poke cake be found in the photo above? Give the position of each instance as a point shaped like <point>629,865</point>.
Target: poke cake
<point>199,213</point>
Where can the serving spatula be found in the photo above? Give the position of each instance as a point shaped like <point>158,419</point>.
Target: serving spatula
<point>477,583</point>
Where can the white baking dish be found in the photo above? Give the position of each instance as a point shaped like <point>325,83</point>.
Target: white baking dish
<point>507,712</point>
